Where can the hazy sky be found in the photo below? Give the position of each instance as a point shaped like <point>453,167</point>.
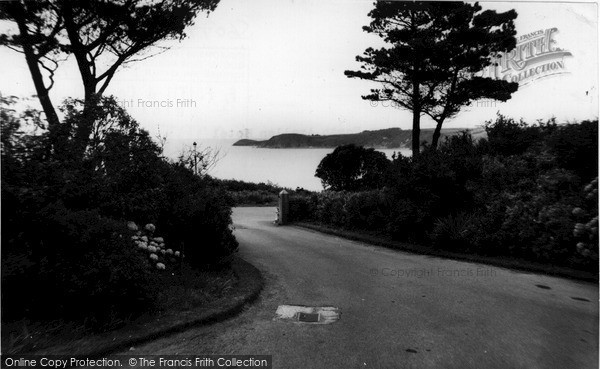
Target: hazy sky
<point>263,67</point>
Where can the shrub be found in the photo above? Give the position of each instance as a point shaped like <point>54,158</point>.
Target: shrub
<point>453,232</point>
<point>330,208</point>
<point>352,168</point>
<point>437,184</point>
<point>233,185</point>
<point>408,220</point>
<point>585,230</point>
<point>247,193</point>
<point>507,137</point>
<point>575,147</point>
<point>77,264</point>
<point>366,210</point>
<point>257,197</point>
<point>520,193</point>
<point>63,237</point>
<point>302,207</point>
<point>532,221</point>
<point>199,222</point>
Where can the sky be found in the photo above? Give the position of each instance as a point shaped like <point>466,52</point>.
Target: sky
<point>254,69</point>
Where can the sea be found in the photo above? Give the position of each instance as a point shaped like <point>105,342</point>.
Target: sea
<point>290,168</point>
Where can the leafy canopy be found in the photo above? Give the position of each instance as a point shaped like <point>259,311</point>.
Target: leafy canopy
<point>352,168</point>
<point>433,55</point>
<point>102,35</point>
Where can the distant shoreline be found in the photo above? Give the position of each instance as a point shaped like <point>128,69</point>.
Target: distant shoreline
<point>322,147</point>
<point>391,138</point>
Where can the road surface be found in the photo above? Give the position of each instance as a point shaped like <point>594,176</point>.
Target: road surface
<point>398,310</point>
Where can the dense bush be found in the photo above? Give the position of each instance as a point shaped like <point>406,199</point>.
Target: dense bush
<point>247,193</point>
<point>74,264</point>
<point>352,168</point>
<point>260,197</point>
<point>525,203</point>
<point>436,185</point>
<point>234,185</point>
<point>330,207</point>
<point>452,232</point>
<point>575,147</point>
<point>527,191</point>
<point>585,230</point>
<point>302,207</point>
<point>64,214</point>
<point>197,217</point>
<point>367,210</point>
<point>507,136</point>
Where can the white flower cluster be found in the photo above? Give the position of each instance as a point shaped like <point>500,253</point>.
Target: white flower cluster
<point>154,246</point>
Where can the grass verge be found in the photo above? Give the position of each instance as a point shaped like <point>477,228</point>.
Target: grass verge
<point>204,297</point>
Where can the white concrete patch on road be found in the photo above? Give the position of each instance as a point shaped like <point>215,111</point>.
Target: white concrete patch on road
<point>326,314</point>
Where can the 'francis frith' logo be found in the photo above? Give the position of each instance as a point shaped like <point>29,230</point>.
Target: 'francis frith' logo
<point>535,56</point>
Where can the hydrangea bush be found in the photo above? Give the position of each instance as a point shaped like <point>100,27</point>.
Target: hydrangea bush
<point>154,247</point>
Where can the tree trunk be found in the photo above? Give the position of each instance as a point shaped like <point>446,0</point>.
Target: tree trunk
<point>416,126</point>
<point>85,124</point>
<point>416,97</point>
<point>36,75</point>
<point>436,135</point>
<point>416,133</point>
<point>91,99</point>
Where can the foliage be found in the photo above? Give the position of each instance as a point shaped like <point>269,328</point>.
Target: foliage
<point>254,198</point>
<point>366,210</point>
<point>452,232</point>
<point>509,137</point>
<point>352,168</point>
<point>537,223</point>
<point>102,36</point>
<point>75,264</point>
<point>199,160</point>
<point>302,207</point>
<point>64,216</point>
<point>196,219</point>
<point>247,193</point>
<point>330,207</point>
<point>433,52</point>
<point>528,192</point>
<point>434,186</point>
<point>584,231</point>
<point>234,185</point>
<point>575,148</point>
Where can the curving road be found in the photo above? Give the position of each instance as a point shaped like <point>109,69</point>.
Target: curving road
<point>398,310</point>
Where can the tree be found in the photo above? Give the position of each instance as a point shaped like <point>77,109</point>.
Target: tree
<point>433,57</point>
<point>102,35</point>
<point>199,160</point>
<point>351,168</point>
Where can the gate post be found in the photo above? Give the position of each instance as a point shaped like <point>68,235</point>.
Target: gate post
<point>284,207</point>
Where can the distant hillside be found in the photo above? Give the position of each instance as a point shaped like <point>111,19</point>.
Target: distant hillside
<point>390,138</point>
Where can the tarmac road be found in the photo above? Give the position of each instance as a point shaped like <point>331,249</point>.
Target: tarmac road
<point>398,310</point>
